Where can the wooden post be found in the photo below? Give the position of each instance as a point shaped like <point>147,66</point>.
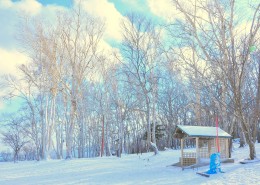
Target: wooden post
<point>182,151</point>
<point>227,148</point>
<point>209,148</point>
<point>197,150</point>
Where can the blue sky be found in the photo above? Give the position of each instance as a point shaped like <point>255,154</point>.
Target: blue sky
<point>66,3</point>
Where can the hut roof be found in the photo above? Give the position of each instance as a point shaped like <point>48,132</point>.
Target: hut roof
<point>200,131</point>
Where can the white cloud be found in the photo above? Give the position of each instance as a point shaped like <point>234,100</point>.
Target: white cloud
<point>31,7</point>
<point>10,60</point>
<point>185,65</point>
<point>164,9</point>
<point>167,10</point>
<point>10,17</point>
<point>9,63</point>
<point>6,3</point>
<point>107,11</point>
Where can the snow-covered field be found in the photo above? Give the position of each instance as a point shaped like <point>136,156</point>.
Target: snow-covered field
<point>130,169</point>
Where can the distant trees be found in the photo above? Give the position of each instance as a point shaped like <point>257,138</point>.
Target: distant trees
<point>15,136</point>
<point>80,98</point>
<point>173,103</point>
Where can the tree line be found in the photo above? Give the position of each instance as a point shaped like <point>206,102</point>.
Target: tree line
<point>80,98</point>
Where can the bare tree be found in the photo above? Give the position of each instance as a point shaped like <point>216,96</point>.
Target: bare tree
<point>22,88</point>
<point>227,52</point>
<point>140,51</point>
<point>15,136</point>
<point>62,56</point>
<point>80,35</point>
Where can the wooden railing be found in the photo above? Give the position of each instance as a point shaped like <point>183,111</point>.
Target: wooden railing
<point>188,158</point>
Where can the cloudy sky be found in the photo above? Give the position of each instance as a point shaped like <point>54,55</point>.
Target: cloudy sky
<point>112,11</point>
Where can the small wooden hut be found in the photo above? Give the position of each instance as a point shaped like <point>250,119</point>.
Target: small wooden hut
<point>205,141</point>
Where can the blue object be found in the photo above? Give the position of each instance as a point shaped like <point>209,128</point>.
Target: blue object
<point>214,165</point>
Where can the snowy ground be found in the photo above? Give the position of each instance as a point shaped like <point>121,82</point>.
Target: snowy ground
<point>130,169</point>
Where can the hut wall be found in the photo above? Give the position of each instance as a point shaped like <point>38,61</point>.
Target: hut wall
<point>208,147</point>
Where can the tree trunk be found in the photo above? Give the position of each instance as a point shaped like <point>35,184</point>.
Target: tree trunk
<point>257,110</point>
<point>44,130</point>
<point>70,132</point>
<point>248,137</point>
<point>150,144</point>
<point>148,140</point>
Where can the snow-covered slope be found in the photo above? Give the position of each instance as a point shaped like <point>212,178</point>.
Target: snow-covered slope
<point>130,169</point>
